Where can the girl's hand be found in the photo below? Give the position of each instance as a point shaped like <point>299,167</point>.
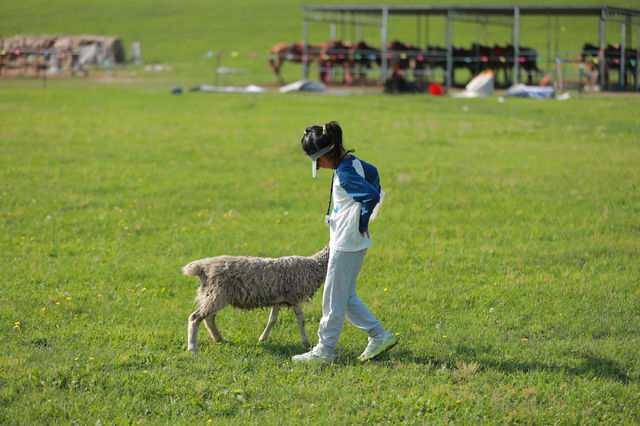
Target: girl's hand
<point>366,232</point>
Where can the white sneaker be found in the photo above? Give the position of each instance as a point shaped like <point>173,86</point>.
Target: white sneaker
<point>377,347</point>
<point>314,355</point>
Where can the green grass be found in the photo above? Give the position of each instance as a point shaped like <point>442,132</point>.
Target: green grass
<point>180,33</point>
<point>506,256</point>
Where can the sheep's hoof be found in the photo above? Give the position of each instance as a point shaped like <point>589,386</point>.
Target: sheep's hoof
<point>193,350</point>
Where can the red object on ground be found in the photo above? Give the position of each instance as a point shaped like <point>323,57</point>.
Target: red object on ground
<point>545,80</point>
<point>436,90</point>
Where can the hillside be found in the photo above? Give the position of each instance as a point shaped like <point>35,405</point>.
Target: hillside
<point>180,33</point>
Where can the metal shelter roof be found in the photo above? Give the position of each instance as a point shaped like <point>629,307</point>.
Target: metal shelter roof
<point>609,12</point>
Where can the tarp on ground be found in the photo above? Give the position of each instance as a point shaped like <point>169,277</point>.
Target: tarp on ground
<point>536,92</point>
<point>481,86</point>
<point>252,88</point>
<point>304,86</point>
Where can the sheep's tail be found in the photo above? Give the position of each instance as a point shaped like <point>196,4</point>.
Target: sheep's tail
<point>193,269</point>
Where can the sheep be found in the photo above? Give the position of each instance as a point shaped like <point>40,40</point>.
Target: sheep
<point>252,282</point>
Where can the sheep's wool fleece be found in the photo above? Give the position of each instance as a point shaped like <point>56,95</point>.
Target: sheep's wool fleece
<point>252,282</point>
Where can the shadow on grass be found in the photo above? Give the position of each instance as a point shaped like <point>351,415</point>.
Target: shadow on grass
<point>590,365</point>
<point>284,351</point>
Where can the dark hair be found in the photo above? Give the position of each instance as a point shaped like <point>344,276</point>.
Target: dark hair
<point>317,137</point>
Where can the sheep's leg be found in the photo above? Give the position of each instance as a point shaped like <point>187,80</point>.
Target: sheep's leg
<point>210,323</point>
<point>303,331</point>
<point>273,317</point>
<point>194,322</point>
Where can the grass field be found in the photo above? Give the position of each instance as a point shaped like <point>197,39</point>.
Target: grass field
<point>506,255</point>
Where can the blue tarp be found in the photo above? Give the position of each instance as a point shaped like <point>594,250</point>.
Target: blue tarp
<point>536,92</point>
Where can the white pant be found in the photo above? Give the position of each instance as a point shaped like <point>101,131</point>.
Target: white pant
<point>339,299</point>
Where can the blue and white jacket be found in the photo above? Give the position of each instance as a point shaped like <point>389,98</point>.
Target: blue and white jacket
<point>355,192</point>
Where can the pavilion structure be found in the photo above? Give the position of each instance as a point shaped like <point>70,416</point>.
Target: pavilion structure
<point>379,16</point>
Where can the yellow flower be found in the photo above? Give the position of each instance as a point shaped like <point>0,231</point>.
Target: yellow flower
<point>444,337</point>
<point>385,289</point>
<point>91,359</point>
<point>76,358</point>
<point>144,372</point>
<point>144,289</point>
<point>43,309</point>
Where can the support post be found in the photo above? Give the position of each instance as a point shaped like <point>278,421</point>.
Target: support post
<point>305,49</point>
<point>486,31</point>
<point>557,44</point>
<point>637,59</point>
<point>426,32</point>
<point>449,42</point>
<point>384,64</point>
<point>332,32</point>
<point>516,45</point>
<point>354,29</point>
<point>601,60</point>
<point>549,44</point>
<point>623,58</point>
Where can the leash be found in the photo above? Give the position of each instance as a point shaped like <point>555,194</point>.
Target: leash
<point>327,218</point>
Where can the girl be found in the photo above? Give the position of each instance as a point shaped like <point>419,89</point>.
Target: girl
<point>356,194</point>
